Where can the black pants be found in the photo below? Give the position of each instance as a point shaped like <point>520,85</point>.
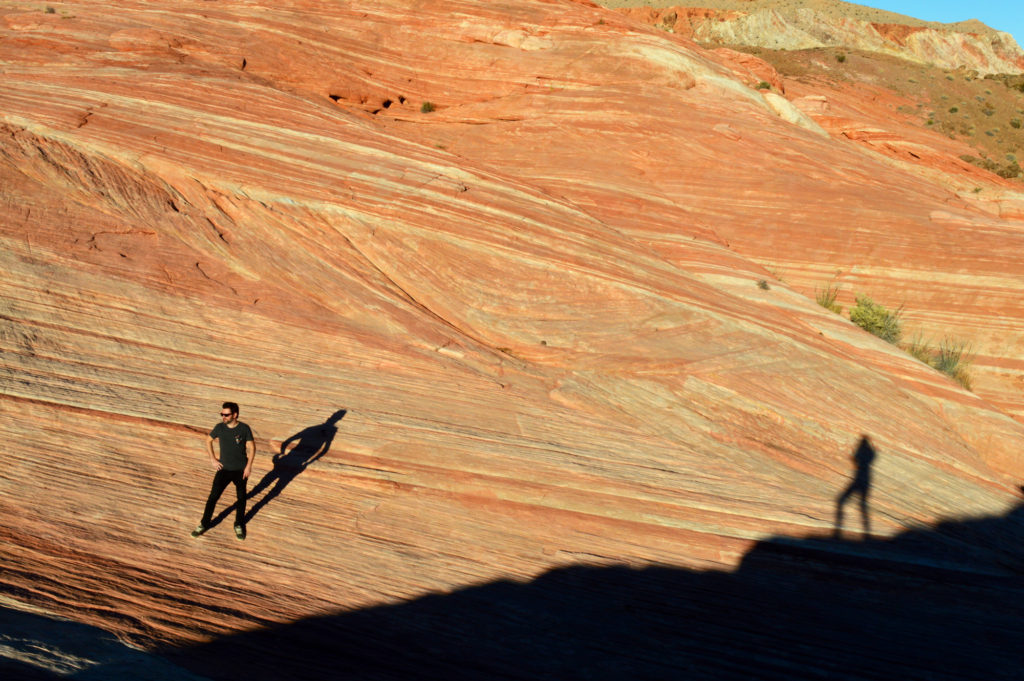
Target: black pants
<point>220,481</point>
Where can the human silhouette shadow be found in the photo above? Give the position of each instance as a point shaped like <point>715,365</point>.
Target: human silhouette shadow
<point>863,458</point>
<point>297,452</point>
<point>943,604</point>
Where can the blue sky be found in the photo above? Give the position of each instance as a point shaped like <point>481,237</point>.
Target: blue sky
<point>1002,15</point>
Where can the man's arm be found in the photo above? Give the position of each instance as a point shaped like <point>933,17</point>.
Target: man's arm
<point>250,450</point>
<point>213,457</point>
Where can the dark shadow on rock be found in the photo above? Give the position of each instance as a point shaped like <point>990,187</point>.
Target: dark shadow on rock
<point>37,647</point>
<point>863,458</point>
<point>23,671</point>
<point>942,604</point>
<point>297,452</point>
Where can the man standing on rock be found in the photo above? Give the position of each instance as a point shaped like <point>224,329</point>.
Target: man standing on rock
<point>237,451</point>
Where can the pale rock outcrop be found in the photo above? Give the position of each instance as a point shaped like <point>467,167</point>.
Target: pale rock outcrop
<point>792,114</point>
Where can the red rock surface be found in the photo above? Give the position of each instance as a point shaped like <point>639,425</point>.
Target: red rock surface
<point>539,304</point>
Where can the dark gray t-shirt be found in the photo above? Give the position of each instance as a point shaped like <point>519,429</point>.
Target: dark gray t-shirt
<point>232,445</point>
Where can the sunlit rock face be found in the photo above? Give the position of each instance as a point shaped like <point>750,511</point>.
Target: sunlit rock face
<point>523,246</point>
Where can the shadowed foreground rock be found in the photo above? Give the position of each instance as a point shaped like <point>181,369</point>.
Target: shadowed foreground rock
<point>930,604</point>
<point>918,606</point>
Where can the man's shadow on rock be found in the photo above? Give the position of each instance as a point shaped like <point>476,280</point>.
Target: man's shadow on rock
<point>863,458</point>
<point>297,452</point>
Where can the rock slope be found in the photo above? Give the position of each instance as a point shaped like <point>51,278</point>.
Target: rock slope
<point>537,300</point>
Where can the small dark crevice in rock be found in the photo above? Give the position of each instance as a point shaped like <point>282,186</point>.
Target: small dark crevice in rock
<point>203,272</point>
<point>219,233</point>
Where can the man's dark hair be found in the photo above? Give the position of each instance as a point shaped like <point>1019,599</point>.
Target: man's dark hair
<point>230,406</point>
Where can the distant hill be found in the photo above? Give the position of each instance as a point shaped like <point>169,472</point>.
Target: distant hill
<point>803,24</point>
<point>830,8</point>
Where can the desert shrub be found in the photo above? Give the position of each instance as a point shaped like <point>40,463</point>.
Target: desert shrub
<point>764,85</point>
<point>920,349</point>
<point>427,107</point>
<point>953,109</point>
<point>953,359</point>
<point>876,319</point>
<point>1009,171</point>
<point>763,284</point>
<point>840,58</point>
<point>826,297</point>
<point>1015,123</point>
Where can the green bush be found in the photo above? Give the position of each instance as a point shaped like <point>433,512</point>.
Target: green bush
<point>764,85</point>
<point>876,319</point>
<point>826,297</point>
<point>1009,171</point>
<point>427,107</point>
<point>920,350</point>
<point>840,58</point>
<point>953,359</point>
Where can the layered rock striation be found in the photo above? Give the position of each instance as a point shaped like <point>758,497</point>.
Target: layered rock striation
<point>541,301</point>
